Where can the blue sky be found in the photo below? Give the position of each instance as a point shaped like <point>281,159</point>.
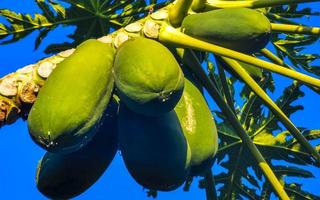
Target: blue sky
<point>19,155</point>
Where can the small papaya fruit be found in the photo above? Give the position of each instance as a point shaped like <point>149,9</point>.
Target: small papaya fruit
<point>147,76</point>
<point>64,176</point>
<point>241,29</point>
<point>69,106</point>
<point>154,149</point>
<point>198,127</point>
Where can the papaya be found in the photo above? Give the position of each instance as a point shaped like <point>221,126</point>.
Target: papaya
<point>154,149</point>
<point>69,106</point>
<point>64,176</point>
<point>198,127</point>
<point>241,29</point>
<point>147,76</point>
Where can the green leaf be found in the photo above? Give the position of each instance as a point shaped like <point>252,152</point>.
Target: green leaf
<point>92,19</point>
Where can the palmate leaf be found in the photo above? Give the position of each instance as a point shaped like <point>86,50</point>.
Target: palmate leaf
<point>237,182</point>
<point>238,178</point>
<point>291,46</point>
<point>252,113</point>
<point>98,18</point>
<point>23,24</point>
<point>296,193</point>
<point>293,11</point>
<point>92,19</point>
<point>293,189</point>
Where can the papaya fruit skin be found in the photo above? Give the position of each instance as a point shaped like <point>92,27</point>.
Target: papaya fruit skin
<point>198,127</point>
<point>147,76</point>
<point>68,107</point>
<point>154,149</point>
<point>241,29</point>
<point>64,176</point>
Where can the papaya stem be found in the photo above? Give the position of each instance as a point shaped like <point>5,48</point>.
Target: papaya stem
<point>214,4</point>
<point>232,118</point>
<point>198,5</point>
<point>288,28</point>
<point>168,34</point>
<point>178,11</point>
<point>211,193</point>
<point>243,74</point>
<point>275,59</point>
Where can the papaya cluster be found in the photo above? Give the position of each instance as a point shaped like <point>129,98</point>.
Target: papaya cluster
<point>138,99</point>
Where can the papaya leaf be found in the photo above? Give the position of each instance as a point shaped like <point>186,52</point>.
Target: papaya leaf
<point>292,171</point>
<point>92,19</point>
<point>22,25</point>
<point>236,180</point>
<point>291,47</point>
<point>295,191</point>
<point>292,11</point>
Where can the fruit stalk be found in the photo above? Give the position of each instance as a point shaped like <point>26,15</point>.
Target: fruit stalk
<point>215,94</point>
<point>198,5</point>
<point>178,11</point>
<point>243,74</point>
<point>288,28</point>
<point>170,35</point>
<point>214,4</point>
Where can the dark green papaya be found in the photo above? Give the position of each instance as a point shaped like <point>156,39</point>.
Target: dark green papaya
<point>198,127</point>
<point>148,78</point>
<point>70,105</point>
<point>154,149</point>
<point>64,176</point>
<point>241,29</point>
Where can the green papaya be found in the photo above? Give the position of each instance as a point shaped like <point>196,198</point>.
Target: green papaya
<point>198,127</point>
<point>154,149</point>
<point>69,106</point>
<point>64,176</point>
<point>147,76</point>
<point>241,29</point>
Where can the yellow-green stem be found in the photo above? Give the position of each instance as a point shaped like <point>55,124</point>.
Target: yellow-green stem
<point>168,34</point>
<point>232,118</point>
<point>214,4</point>
<point>243,74</point>
<point>275,59</point>
<point>288,28</point>
<point>198,5</point>
<point>178,11</point>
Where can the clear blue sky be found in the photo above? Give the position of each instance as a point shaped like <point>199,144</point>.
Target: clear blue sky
<point>19,155</point>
